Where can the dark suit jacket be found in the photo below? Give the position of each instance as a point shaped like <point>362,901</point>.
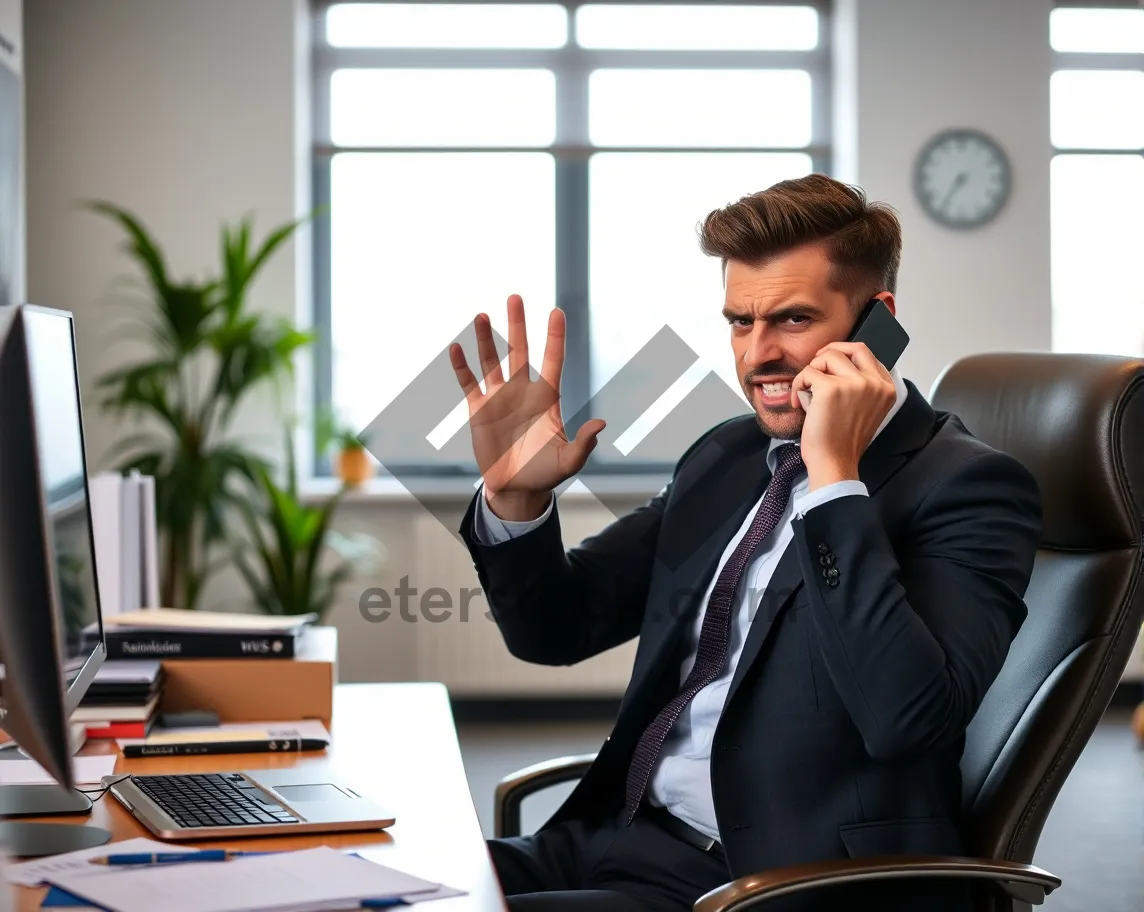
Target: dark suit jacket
<point>844,724</point>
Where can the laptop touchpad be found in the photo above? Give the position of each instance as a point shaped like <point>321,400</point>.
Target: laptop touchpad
<point>324,792</point>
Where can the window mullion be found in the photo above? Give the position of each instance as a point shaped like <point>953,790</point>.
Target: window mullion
<point>572,256</point>
<point>1076,60</point>
<point>322,291</point>
<point>821,98</point>
<point>321,248</point>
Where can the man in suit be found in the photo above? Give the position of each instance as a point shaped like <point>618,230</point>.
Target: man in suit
<point>822,594</point>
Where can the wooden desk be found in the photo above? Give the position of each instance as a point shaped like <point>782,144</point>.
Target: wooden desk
<point>395,743</point>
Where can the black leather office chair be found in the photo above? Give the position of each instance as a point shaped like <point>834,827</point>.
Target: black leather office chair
<point>1077,423</point>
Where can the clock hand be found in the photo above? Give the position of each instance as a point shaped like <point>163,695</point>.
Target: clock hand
<point>958,183</point>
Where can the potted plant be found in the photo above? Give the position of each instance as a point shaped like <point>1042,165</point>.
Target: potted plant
<point>281,559</point>
<point>209,350</point>
<point>351,461</point>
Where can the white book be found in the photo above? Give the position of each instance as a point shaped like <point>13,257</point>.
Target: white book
<point>149,538</point>
<point>131,548</point>
<point>202,621</point>
<point>128,671</point>
<point>110,713</point>
<point>104,492</point>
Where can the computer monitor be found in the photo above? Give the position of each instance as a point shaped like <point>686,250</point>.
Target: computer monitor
<point>48,581</point>
<point>62,459</point>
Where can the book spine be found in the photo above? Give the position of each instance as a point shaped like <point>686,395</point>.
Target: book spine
<point>129,645</point>
<point>256,746</point>
<point>119,730</point>
<point>260,746</point>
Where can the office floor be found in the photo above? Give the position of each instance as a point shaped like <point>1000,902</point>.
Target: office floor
<point>1094,839</point>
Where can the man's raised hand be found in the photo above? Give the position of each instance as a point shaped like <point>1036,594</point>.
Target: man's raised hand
<point>516,425</point>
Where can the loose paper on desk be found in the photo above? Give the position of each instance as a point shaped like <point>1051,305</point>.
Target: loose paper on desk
<point>311,879</point>
<point>39,870</point>
<point>58,897</point>
<point>87,769</point>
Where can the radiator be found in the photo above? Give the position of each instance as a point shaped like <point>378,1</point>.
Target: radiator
<point>467,653</point>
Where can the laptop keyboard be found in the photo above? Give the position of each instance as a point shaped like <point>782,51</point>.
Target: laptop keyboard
<point>213,800</point>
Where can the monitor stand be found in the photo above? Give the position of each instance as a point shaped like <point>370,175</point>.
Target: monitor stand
<point>34,840</point>
<point>31,840</point>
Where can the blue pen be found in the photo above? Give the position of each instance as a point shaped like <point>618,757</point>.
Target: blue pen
<point>153,858</point>
<point>382,903</point>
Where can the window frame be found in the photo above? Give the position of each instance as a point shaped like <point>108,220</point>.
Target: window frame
<point>571,152</point>
<point>1092,60</point>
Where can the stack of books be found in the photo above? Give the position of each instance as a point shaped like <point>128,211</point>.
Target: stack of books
<point>166,633</point>
<point>122,701</point>
<point>243,667</point>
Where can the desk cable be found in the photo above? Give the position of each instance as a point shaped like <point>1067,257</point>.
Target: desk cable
<point>103,790</point>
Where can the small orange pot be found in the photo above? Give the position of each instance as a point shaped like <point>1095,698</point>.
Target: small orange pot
<point>353,466</point>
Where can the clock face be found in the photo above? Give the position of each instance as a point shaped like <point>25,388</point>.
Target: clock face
<point>962,178</point>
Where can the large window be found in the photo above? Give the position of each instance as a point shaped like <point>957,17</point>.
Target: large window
<point>1097,132</point>
<point>563,152</point>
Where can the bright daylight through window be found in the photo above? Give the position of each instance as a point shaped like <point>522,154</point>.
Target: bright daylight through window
<point>1097,130</point>
<point>470,151</point>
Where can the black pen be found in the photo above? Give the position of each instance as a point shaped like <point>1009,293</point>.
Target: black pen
<point>261,746</point>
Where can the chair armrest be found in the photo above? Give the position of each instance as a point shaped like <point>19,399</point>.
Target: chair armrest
<point>1024,882</point>
<point>515,787</point>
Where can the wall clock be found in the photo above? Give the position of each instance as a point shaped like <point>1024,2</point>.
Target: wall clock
<point>962,178</point>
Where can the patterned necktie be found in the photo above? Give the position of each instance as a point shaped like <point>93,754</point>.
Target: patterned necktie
<point>715,634</point>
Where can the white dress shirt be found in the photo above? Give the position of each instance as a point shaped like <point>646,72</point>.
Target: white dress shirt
<point>681,780</point>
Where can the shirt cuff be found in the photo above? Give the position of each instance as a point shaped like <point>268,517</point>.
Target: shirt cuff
<point>490,529</point>
<point>804,503</point>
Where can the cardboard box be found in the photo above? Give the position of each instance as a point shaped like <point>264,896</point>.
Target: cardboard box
<point>257,690</point>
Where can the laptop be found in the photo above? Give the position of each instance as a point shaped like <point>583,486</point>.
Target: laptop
<point>253,803</point>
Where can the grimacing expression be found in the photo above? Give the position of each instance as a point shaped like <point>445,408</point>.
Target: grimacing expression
<point>781,313</point>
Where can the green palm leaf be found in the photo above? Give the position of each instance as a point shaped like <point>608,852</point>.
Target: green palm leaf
<point>318,541</point>
<point>288,537</point>
<point>209,350</point>
<point>249,352</point>
<point>139,244</point>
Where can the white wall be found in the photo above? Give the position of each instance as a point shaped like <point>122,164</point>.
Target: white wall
<point>913,68</point>
<point>12,28</point>
<point>182,112</point>
<point>188,113</point>
<point>12,54</point>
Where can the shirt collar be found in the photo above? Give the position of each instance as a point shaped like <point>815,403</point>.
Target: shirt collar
<point>900,392</point>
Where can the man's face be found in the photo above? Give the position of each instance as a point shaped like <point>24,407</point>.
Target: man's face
<point>781,314</point>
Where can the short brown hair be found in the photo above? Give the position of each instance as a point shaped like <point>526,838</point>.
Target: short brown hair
<point>863,240</point>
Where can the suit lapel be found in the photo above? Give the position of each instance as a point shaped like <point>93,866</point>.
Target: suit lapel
<point>784,584</point>
<point>909,430</point>
<point>708,511</point>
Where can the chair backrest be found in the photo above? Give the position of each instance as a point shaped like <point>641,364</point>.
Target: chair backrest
<point>1077,423</point>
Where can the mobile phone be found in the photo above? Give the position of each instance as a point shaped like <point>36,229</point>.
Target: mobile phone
<point>882,333</point>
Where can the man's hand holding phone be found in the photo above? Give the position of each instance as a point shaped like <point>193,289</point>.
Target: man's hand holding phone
<point>852,393</point>
<point>517,429</point>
